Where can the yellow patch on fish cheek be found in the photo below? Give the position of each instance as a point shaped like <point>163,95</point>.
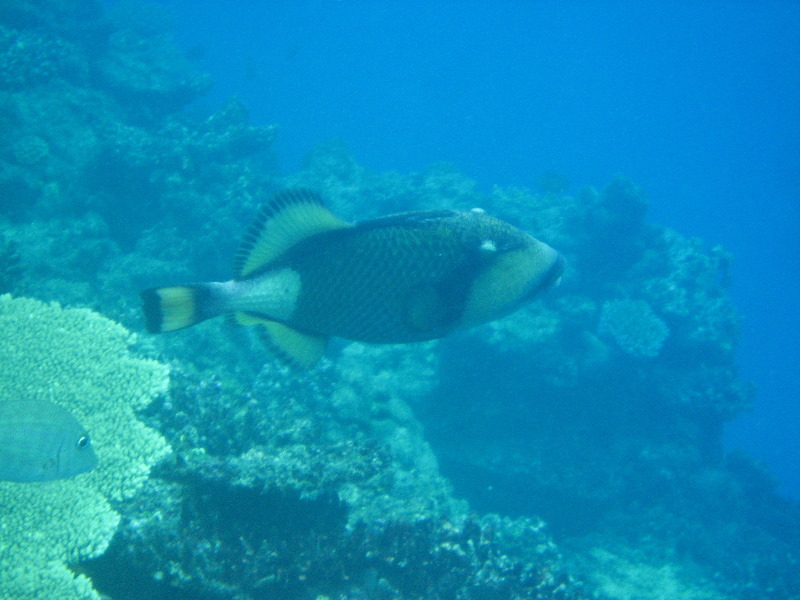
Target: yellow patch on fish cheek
<point>498,287</point>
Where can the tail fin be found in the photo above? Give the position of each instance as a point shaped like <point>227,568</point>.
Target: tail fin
<point>177,307</point>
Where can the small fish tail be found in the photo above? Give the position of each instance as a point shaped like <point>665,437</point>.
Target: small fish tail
<point>178,307</point>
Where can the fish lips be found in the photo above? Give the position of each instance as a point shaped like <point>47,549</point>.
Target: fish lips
<point>551,278</point>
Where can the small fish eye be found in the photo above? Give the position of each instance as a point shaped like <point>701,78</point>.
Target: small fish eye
<point>83,441</point>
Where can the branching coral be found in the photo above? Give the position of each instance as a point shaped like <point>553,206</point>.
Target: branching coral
<point>78,359</point>
<point>46,526</point>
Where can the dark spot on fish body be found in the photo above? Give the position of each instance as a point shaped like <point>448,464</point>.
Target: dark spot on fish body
<point>49,468</point>
<point>361,283</point>
<point>447,297</point>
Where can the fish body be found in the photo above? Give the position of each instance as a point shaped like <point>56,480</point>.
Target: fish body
<point>41,441</point>
<point>305,275</point>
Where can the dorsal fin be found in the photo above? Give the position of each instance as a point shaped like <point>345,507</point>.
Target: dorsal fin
<point>288,217</point>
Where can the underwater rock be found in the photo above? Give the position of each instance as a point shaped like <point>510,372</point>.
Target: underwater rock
<point>143,67</point>
<point>28,58</point>
<point>212,536</point>
<point>30,150</point>
<point>327,434</point>
<point>302,486</point>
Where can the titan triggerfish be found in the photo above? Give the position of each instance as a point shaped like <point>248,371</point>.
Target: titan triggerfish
<point>303,275</point>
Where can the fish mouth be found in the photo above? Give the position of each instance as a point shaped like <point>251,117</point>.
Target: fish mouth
<point>551,278</point>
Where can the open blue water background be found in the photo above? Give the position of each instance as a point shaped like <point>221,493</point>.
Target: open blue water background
<point>698,103</point>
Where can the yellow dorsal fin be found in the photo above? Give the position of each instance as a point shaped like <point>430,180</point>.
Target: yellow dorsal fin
<point>289,216</point>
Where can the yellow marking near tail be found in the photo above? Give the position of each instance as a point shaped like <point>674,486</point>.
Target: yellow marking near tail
<point>170,308</point>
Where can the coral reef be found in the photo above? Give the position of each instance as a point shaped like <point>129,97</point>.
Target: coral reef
<point>354,480</point>
<point>357,193</point>
<point>216,540</point>
<point>46,528</point>
<point>634,326</point>
<point>626,579</point>
<point>80,360</point>
<point>113,144</point>
<point>331,434</point>
<point>31,58</point>
<point>303,488</point>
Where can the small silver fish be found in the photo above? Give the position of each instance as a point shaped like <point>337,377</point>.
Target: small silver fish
<point>42,441</point>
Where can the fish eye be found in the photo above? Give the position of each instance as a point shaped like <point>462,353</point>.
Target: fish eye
<point>488,246</point>
<point>83,441</point>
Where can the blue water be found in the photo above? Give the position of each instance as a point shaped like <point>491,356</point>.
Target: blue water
<point>698,103</point>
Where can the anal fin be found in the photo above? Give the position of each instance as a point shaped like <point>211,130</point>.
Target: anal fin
<point>245,319</point>
<point>299,349</point>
